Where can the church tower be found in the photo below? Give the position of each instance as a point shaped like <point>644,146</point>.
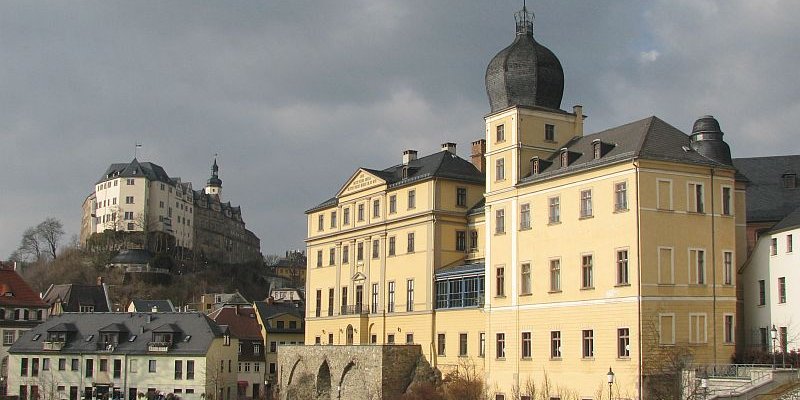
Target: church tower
<point>214,185</point>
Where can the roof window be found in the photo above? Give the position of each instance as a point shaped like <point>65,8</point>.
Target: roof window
<point>789,181</point>
<point>36,337</point>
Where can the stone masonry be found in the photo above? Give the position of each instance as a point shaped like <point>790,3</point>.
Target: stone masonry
<point>349,372</point>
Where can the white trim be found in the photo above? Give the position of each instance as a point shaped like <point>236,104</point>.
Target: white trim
<point>705,327</point>
<point>690,199</point>
<point>733,328</point>
<point>671,266</point>
<point>573,303</point>
<point>658,195</point>
<point>660,328</point>
<point>692,266</point>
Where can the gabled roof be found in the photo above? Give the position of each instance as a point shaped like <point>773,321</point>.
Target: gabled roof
<point>137,330</point>
<point>136,169</point>
<point>791,221</point>
<point>649,138</point>
<point>73,295</point>
<point>14,291</point>
<point>767,198</point>
<point>148,305</point>
<point>241,321</point>
<point>442,164</point>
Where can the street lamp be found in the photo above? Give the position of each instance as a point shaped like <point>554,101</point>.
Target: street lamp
<point>774,333</point>
<point>610,376</point>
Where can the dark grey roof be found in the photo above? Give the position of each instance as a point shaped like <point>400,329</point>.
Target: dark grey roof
<point>147,305</point>
<point>442,164</point>
<point>791,221</point>
<point>767,198</point>
<point>132,256</point>
<point>267,311</point>
<point>141,325</point>
<point>453,271</point>
<point>73,295</point>
<point>524,73</point>
<point>478,207</point>
<point>649,138</point>
<point>136,169</point>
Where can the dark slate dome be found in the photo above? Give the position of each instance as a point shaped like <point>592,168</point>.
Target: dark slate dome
<point>707,140</point>
<point>524,73</point>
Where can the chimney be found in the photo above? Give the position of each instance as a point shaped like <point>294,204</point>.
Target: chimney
<point>577,130</point>
<point>154,309</point>
<point>478,151</point>
<point>99,281</point>
<point>270,300</point>
<point>449,146</point>
<point>408,156</point>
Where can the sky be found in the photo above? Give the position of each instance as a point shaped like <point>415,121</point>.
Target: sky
<point>294,96</point>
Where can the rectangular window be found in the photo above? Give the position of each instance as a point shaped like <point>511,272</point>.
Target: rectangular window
<point>320,222</point>
<point>130,181</point>
<point>375,298</point>
<point>698,263</point>
<point>461,197</point>
<point>473,240</point>
<point>410,295</point>
<point>345,254</point>
<point>499,221</point>
<point>344,300</point>
<point>376,246</point>
<point>360,251</point>
<point>620,196</point>
<point>392,245</point>
<point>318,307</point>
<point>782,290</point>
<point>346,216</point>
<point>588,343</point>
<point>501,282</point>
<point>586,203</point>
<point>392,204</point>
<point>500,169</point>
<point>666,329</point>
<point>587,272</point>
<point>527,349</point>
<point>773,247</point>
<point>390,338</point>
<point>501,345</point>
<point>409,338</point>
<point>461,240</point>
<point>89,368</point>
<point>554,208</point>
<point>360,213</point>
<point>376,208</point>
<point>332,256</point>
<point>462,344</point>
<point>623,342</point>
<point>729,328</point>
<point>23,367</point>
<point>390,298</point>
<point>129,200</point>
<point>151,366</point>
<point>62,364</point>
<point>727,208</point>
<point>103,365</point>
<point>75,365</point>
<point>696,198</point>
<point>525,279</point>
<point>8,337</point>
<point>333,219</point>
<point>525,216</point>
<point>555,275</point>
<point>440,344</point>
<point>178,369</point>
<point>549,132</point>
<point>128,215</point>
<point>482,344</point>
<point>500,133</point>
<point>319,258</point>
<point>410,245</point>
<point>412,199</point>
<point>727,267</point>
<point>762,292</point>
<point>788,243</point>
<point>622,267</point>
<point>664,194</point>
<point>697,328</point>
<point>330,301</point>
<point>555,344</point>
<point>665,266</point>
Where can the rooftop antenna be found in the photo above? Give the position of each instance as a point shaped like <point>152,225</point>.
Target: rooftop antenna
<point>136,149</point>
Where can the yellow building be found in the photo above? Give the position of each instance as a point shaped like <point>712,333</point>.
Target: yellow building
<point>570,255</point>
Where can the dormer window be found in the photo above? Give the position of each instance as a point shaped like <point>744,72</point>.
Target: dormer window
<point>535,165</point>
<point>596,147</point>
<point>56,336</point>
<point>564,158</point>
<point>789,181</point>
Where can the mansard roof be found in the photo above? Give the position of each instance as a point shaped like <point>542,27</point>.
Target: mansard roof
<point>442,164</point>
<point>649,138</point>
<point>136,169</point>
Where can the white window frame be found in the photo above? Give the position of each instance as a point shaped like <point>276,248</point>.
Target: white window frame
<point>692,271</point>
<point>658,195</point>
<point>661,329</point>
<point>733,328</point>
<point>671,264</point>
<point>722,200</point>
<point>732,271</point>
<point>692,327</point>
<point>691,200</point>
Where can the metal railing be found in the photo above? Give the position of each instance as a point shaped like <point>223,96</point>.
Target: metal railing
<point>355,309</point>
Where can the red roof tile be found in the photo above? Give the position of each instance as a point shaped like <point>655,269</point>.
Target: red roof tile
<point>14,291</point>
<point>243,324</point>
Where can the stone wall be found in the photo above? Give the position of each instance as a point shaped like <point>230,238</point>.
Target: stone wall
<point>347,372</point>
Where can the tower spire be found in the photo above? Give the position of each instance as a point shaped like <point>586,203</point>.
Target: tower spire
<point>524,20</point>
<point>214,184</point>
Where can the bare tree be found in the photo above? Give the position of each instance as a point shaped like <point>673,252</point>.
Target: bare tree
<point>50,231</point>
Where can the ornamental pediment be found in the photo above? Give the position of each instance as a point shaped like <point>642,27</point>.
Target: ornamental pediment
<point>361,180</point>
<point>359,277</point>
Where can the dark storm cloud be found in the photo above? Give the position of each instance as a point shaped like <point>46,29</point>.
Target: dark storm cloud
<point>294,96</point>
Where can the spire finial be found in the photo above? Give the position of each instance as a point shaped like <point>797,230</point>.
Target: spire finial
<point>524,20</point>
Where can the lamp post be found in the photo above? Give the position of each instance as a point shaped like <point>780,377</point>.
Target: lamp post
<point>610,376</point>
<point>774,333</point>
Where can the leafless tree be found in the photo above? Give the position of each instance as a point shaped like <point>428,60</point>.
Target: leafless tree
<point>50,231</point>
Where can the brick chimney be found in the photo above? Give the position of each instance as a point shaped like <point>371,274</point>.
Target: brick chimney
<point>478,151</point>
<point>408,156</point>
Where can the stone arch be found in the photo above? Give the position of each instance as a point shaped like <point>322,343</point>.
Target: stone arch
<point>370,332</point>
<point>349,334</point>
<point>324,381</point>
<point>342,386</point>
<point>291,372</point>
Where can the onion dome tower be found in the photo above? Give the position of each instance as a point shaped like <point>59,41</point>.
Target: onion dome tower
<point>525,73</point>
<point>707,140</point>
<point>214,184</point>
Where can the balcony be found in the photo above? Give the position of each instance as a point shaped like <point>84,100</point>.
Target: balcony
<point>159,346</point>
<point>53,345</point>
<point>106,347</point>
<point>357,309</point>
